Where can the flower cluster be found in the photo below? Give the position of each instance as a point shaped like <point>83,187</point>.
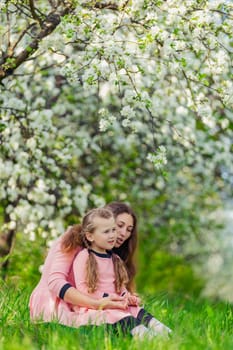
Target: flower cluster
<point>144,77</point>
<point>158,158</point>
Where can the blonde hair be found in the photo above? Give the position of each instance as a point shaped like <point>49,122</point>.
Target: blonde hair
<point>76,237</point>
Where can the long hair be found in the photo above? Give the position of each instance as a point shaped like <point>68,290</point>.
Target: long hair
<point>76,237</point>
<point>92,277</point>
<point>127,250</point>
<point>121,274</point>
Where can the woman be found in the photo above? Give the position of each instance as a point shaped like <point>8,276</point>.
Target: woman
<point>56,283</point>
<point>126,244</point>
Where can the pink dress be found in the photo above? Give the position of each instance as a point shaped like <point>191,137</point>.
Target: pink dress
<point>44,300</point>
<point>105,286</point>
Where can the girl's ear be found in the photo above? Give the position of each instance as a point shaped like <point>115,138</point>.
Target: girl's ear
<point>89,236</point>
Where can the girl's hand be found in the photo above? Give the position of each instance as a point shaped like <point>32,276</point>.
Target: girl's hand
<point>113,301</point>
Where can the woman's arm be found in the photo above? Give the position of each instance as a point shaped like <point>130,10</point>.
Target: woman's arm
<point>57,267</point>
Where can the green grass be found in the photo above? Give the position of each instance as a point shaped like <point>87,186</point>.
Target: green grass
<point>197,324</point>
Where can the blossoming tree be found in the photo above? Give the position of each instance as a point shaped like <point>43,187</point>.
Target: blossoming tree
<point>112,99</point>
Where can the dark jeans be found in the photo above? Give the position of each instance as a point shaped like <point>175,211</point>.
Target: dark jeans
<point>126,324</point>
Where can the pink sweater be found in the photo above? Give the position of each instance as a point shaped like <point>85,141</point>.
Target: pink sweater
<point>106,280</point>
<point>106,285</point>
<point>56,273</point>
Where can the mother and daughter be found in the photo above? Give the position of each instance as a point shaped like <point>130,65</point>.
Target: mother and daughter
<point>88,276</point>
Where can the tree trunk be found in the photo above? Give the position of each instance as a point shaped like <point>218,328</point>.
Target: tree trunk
<point>48,25</point>
<point>6,243</point>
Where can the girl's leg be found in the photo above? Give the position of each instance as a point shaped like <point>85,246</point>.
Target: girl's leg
<point>151,322</point>
<point>130,325</point>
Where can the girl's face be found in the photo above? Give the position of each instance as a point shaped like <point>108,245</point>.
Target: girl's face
<point>124,228</point>
<point>104,236</point>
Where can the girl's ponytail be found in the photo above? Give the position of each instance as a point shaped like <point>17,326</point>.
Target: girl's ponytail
<point>72,239</point>
<point>120,273</point>
<point>92,273</point>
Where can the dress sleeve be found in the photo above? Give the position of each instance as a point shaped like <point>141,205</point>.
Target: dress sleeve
<point>124,291</point>
<point>59,265</point>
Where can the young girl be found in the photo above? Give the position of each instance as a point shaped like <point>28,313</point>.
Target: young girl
<point>98,272</point>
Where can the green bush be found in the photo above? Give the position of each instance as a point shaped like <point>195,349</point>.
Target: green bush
<point>164,272</point>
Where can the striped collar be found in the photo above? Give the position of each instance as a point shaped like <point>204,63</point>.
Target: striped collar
<point>108,254</point>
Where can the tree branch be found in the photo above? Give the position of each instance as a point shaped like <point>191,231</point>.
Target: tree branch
<point>21,37</point>
<point>107,5</point>
<point>11,62</point>
<point>33,12</point>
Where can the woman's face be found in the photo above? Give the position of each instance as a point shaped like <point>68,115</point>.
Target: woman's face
<point>124,228</point>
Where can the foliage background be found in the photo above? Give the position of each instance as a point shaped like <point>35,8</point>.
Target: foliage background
<point>130,101</point>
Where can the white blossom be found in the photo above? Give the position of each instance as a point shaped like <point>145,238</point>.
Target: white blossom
<point>158,159</point>
<point>147,77</point>
<point>127,112</point>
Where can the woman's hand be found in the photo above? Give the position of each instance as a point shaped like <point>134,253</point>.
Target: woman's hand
<point>113,301</point>
<point>133,299</point>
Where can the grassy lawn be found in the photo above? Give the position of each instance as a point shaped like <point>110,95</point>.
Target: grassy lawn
<point>196,324</point>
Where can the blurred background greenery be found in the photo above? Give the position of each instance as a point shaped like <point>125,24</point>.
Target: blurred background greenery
<point>95,110</point>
